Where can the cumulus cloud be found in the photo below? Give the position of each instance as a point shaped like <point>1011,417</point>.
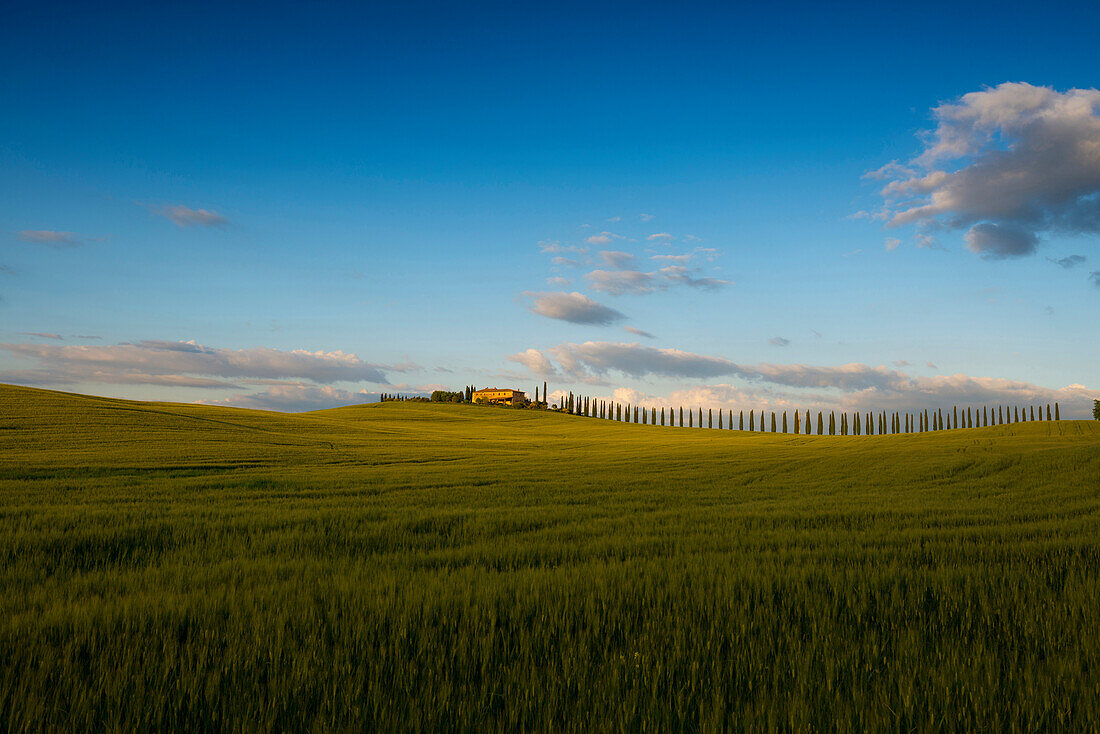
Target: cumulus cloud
<point>1007,164</point>
<point>616,259</point>
<point>558,281</point>
<point>638,332</point>
<point>187,364</point>
<point>184,216</point>
<point>603,238</point>
<point>576,308</point>
<point>892,243</point>
<point>535,361</point>
<point>50,238</point>
<point>1068,262</point>
<point>659,236</point>
<point>778,341</point>
<point>849,386</point>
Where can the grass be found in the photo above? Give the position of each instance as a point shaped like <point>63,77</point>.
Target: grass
<point>423,567</point>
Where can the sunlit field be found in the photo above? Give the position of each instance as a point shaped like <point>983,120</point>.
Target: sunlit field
<point>431,567</point>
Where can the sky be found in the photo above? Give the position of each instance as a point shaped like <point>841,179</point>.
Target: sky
<point>300,206</point>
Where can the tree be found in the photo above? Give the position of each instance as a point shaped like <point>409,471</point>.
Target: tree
<point>700,417</point>
<point>820,424</point>
<point>832,423</point>
<point>1096,410</point>
<point>752,414</point>
<point>785,421</point>
<point>843,424</point>
<point>1057,414</point>
<point>710,418</point>
<point>741,421</point>
<point>662,416</point>
<point>797,422</point>
<point>773,421</point>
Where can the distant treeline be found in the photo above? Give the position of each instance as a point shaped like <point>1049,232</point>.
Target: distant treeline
<point>802,422</point>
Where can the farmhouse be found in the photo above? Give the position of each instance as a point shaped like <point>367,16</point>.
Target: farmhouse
<point>495,395</point>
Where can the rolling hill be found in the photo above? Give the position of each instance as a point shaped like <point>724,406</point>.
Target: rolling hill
<point>435,567</point>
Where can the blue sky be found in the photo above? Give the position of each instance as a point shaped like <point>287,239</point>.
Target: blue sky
<point>225,203</point>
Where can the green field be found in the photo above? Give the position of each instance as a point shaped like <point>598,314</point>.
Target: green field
<point>428,567</point>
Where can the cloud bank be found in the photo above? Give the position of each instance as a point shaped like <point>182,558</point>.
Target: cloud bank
<point>185,364</point>
<point>849,386</point>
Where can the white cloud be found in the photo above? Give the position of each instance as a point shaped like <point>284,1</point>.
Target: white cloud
<point>559,282</point>
<point>646,217</point>
<point>778,341</point>
<point>616,259</point>
<point>638,332</point>
<point>892,243</point>
<point>535,361</point>
<point>575,308</point>
<point>603,238</point>
<point>42,335</point>
<point>660,236</point>
<point>1007,163</point>
<point>184,216</point>
<point>297,397</point>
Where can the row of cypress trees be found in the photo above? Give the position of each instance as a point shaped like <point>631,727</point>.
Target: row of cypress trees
<point>857,424</point>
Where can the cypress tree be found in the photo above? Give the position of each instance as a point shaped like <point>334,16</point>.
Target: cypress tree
<point>1057,414</point>
<point>681,423</point>
<point>1016,414</point>
<point>868,424</point>
<point>843,424</point>
<point>691,418</point>
<point>820,424</point>
<point>1032,412</point>
<point>752,414</point>
<point>773,421</point>
<point>785,421</point>
<point>797,425</point>
<point>832,423</point>
<point>855,424</point>
<point>700,417</point>
<point>635,413</point>
<point>662,416</point>
<point>954,416</point>
<point>741,421</point>
<point>710,417</point>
